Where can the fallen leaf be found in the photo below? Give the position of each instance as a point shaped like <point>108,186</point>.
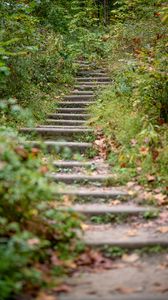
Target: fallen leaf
<point>144,150</point>
<point>22,152</point>
<point>84,226</point>
<point>124,290</point>
<point>115,202</point>
<point>44,296</point>
<point>67,200</point>
<point>132,232</point>
<point>163,229</point>
<point>33,242</point>
<point>130,258</point>
<point>161,199</point>
<point>43,169</point>
<point>63,288</point>
<point>55,260</point>
<point>151,178</point>
<point>161,289</point>
<point>130,184</point>
<point>35,151</point>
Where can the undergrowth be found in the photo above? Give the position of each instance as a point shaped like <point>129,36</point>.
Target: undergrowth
<point>133,112</point>
<point>36,238</point>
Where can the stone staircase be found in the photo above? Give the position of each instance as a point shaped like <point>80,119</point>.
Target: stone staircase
<point>89,183</point>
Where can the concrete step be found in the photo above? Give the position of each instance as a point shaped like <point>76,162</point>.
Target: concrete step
<point>63,126</point>
<point>65,122</point>
<point>94,83</point>
<point>81,93</point>
<point>57,132</point>
<point>76,104</point>
<point>81,98</point>
<point>93,193</point>
<point>78,178</point>
<point>101,209</point>
<point>123,236</point>
<point>93,79</point>
<point>70,110</point>
<point>56,146</point>
<point>84,62</point>
<point>85,87</point>
<point>69,116</point>
<point>96,73</point>
<point>73,164</point>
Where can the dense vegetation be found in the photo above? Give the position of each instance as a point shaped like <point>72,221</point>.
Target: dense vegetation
<point>133,112</point>
<point>39,42</point>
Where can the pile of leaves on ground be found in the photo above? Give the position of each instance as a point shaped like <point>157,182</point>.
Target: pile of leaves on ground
<point>36,238</point>
<point>132,113</point>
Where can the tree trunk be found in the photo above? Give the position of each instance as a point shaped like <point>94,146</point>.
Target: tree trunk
<point>105,12</point>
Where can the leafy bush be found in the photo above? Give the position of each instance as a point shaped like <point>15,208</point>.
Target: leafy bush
<point>34,233</point>
<point>133,112</point>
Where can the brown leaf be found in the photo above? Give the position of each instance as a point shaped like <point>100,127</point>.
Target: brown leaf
<point>151,178</point>
<point>43,169</point>
<point>22,152</point>
<point>124,290</point>
<point>115,202</point>
<point>55,260</point>
<point>161,199</point>
<point>130,258</point>
<point>161,289</point>
<point>132,232</point>
<point>45,296</point>
<point>63,288</point>
<point>33,242</point>
<point>163,229</point>
<point>144,150</point>
<point>35,151</point>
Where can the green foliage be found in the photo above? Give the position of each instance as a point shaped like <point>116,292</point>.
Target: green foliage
<point>134,110</point>
<point>32,232</point>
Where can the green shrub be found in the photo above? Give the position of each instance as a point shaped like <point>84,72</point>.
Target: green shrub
<point>133,111</point>
<point>32,229</point>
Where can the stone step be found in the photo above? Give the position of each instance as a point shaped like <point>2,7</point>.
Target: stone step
<point>101,209</point>
<point>97,73</point>
<point>93,79</point>
<point>93,193</point>
<point>56,146</point>
<point>79,178</point>
<point>81,98</point>
<point>83,62</point>
<point>69,116</point>
<point>124,236</point>
<point>75,103</point>
<point>63,126</point>
<point>73,164</point>
<point>57,132</point>
<point>94,83</point>
<point>81,93</point>
<point>85,87</point>
<point>65,122</point>
<point>70,110</point>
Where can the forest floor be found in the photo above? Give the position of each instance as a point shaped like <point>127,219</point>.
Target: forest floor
<point>126,238</point>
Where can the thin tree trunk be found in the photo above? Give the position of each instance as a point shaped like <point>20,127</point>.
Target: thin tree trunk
<point>105,12</point>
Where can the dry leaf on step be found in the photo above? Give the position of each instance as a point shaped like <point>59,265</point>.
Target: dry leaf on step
<point>130,258</point>
<point>63,288</point>
<point>124,290</point>
<point>84,226</point>
<point>163,229</point>
<point>45,296</point>
<point>132,232</point>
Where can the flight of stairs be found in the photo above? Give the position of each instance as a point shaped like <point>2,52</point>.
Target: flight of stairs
<point>90,182</point>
